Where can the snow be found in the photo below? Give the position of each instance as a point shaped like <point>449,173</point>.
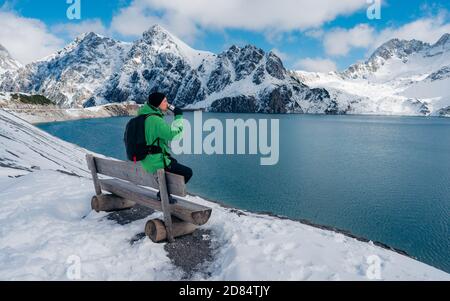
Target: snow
<point>7,63</point>
<point>243,87</point>
<point>260,247</point>
<point>394,81</point>
<point>194,57</point>
<point>382,98</point>
<point>435,93</point>
<point>164,41</point>
<point>46,220</point>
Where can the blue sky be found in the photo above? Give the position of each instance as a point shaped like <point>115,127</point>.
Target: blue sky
<point>319,35</point>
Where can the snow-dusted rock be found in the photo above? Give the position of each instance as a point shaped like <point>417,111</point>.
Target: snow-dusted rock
<point>444,112</point>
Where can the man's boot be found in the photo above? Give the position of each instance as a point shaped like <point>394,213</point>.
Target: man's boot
<point>171,199</point>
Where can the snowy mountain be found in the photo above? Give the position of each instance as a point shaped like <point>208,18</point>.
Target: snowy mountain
<point>95,70</point>
<point>157,61</point>
<point>401,78</point>
<point>70,76</point>
<point>7,63</point>
<point>46,219</point>
<point>238,80</point>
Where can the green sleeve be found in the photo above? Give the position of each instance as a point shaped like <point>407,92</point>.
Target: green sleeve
<point>170,132</point>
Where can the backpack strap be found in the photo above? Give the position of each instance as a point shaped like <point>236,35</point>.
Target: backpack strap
<point>151,114</point>
<point>152,149</point>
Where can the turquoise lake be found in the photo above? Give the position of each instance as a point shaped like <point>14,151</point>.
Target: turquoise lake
<point>384,178</point>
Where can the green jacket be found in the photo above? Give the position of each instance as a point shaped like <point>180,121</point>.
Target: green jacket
<point>156,127</point>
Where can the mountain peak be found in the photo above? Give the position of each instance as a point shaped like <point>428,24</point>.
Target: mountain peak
<point>157,28</point>
<point>398,48</point>
<point>87,36</point>
<point>445,39</point>
<point>7,62</point>
<point>163,41</point>
<point>4,52</point>
<point>87,41</point>
<point>413,45</point>
<point>248,48</point>
<point>158,35</point>
<point>157,32</point>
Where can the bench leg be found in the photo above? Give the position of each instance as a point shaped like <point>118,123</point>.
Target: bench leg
<point>157,232</point>
<point>165,204</point>
<point>93,168</point>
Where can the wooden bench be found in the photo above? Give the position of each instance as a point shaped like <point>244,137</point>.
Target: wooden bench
<point>130,185</point>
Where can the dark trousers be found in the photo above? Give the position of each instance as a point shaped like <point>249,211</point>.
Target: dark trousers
<point>179,169</point>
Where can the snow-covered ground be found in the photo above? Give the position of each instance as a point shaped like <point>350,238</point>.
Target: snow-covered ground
<point>46,225</point>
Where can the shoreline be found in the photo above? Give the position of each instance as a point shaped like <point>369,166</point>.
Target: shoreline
<point>38,114</point>
<point>36,109</point>
<point>347,233</point>
<point>36,120</point>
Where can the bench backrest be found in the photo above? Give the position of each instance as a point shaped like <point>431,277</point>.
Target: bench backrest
<point>135,174</point>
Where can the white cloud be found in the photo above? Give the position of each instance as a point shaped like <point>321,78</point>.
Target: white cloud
<point>184,18</point>
<point>315,33</point>
<point>339,41</point>
<point>426,30</point>
<point>72,30</point>
<point>316,65</point>
<point>26,39</point>
<point>132,21</point>
<point>282,55</point>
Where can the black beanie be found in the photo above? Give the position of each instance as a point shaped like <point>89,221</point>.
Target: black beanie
<point>155,99</point>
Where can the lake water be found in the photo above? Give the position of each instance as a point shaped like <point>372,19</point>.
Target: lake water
<point>384,178</point>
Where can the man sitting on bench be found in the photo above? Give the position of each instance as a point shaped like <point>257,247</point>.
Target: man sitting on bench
<point>158,132</point>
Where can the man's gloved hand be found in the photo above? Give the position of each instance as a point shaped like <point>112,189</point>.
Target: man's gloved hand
<point>177,112</point>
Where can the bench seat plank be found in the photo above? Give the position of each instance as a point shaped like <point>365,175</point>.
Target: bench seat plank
<point>136,174</point>
<point>183,209</point>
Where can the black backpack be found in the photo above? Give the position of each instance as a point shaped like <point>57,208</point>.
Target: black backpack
<point>135,142</point>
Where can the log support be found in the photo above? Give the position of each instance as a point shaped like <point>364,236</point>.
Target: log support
<point>157,232</point>
<point>110,203</point>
